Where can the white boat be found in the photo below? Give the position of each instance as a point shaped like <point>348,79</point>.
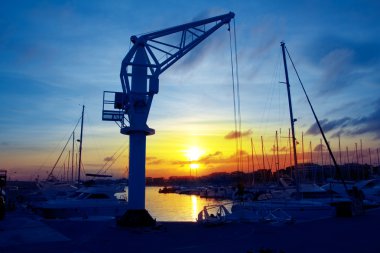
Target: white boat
<point>219,214</point>
<point>188,190</point>
<point>286,210</point>
<point>370,189</point>
<point>305,191</point>
<point>308,203</point>
<point>87,202</point>
<point>216,192</point>
<point>207,217</point>
<point>49,190</point>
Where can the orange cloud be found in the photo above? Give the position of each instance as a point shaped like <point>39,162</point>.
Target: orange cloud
<point>237,134</point>
<point>154,160</point>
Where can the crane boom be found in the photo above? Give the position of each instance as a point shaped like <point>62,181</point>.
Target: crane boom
<point>161,53</point>
<point>150,55</point>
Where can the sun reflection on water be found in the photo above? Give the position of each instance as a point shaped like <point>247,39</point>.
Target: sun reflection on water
<point>174,207</point>
<point>194,202</point>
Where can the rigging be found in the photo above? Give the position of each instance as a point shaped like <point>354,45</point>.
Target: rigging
<point>236,98</point>
<point>338,171</point>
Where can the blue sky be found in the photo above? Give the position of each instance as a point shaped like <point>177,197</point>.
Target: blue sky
<point>58,55</point>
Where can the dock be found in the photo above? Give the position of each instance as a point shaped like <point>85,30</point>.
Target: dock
<point>22,231</point>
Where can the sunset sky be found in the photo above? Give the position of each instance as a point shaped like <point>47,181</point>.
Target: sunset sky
<point>59,55</point>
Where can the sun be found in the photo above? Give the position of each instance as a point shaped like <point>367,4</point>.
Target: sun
<point>193,153</point>
<point>194,166</point>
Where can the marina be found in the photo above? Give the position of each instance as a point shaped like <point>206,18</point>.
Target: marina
<point>205,139</point>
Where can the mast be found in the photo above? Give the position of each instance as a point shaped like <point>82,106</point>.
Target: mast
<point>340,152</point>
<point>80,145</point>
<point>253,164</point>
<point>370,156</point>
<point>292,120</point>
<point>248,164</point>
<point>370,161</point>
<point>76,160</point>
<point>303,152</point>
<point>290,151</point>
<point>68,166</point>
<point>348,169</point>
<point>262,151</point>
<point>311,153</point>
<point>319,126</point>
<point>323,169</point>
<point>273,158</point>
<point>72,160</point>
<point>321,150</point>
<point>356,152</point>
<point>64,172</point>
<point>277,157</point>
<point>361,151</point>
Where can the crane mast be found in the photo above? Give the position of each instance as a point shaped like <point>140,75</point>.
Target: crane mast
<point>150,55</point>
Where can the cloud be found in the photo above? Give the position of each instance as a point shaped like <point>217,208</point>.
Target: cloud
<point>239,153</point>
<point>181,163</point>
<point>216,158</point>
<point>344,62</point>
<point>328,125</point>
<point>154,160</point>
<point>369,124</point>
<point>210,158</point>
<point>4,143</point>
<point>263,44</point>
<point>108,159</point>
<point>238,134</point>
<point>337,70</point>
<point>280,149</point>
<point>319,147</point>
<point>337,134</point>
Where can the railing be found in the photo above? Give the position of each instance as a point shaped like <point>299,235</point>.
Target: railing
<point>112,106</point>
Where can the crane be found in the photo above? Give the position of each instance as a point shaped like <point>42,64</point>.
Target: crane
<point>151,54</point>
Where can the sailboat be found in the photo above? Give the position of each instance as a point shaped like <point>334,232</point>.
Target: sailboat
<point>290,199</point>
<point>53,187</point>
<point>68,200</point>
<point>85,203</point>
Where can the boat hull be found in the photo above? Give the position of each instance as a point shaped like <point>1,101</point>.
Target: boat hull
<point>77,209</point>
<point>299,211</point>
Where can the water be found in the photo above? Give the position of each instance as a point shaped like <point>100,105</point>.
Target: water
<point>175,207</point>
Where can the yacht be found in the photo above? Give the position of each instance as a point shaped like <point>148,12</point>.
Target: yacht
<point>86,202</point>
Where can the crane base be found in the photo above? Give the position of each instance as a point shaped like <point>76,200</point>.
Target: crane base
<point>136,218</point>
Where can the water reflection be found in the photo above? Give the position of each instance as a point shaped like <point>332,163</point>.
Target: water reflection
<point>174,207</point>
<point>195,207</point>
